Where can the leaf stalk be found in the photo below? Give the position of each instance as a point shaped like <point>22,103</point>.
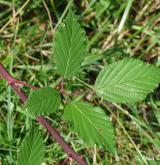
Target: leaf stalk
<point>42,120</point>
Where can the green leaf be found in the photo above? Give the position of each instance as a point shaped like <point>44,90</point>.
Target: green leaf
<point>43,101</point>
<point>31,150</point>
<point>91,123</point>
<point>127,81</point>
<point>69,46</point>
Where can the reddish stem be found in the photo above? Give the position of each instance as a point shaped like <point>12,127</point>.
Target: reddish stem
<point>42,120</point>
<point>20,83</point>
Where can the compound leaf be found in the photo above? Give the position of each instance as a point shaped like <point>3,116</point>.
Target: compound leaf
<point>69,46</point>
<point>43,101</point>
<point>91,124</point>
<point>31,150</point>
<point>127,81</point>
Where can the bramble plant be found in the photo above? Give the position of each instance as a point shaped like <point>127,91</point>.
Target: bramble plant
<point>126,81</point>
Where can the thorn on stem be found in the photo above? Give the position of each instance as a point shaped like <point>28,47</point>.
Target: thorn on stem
<point>11,81</point>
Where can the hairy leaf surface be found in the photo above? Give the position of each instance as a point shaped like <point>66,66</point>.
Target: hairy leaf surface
<point>43,101</point>
<point>31,150</point>
<point>69,46</point>
<point>127,81</point>
<point>91,124</point>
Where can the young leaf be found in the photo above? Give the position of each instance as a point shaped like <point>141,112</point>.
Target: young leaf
<point>31,150</point>
<point>43,101</point>
<point>69,46</point>
<point>91,123</point>
<point>127,81</point>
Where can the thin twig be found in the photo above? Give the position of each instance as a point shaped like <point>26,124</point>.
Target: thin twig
<point>15,15</point>
<point>49,15</point>
<point>42,120</point>
<point>21,83</point>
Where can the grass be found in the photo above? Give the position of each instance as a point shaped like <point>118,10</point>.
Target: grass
<point>115,29</point>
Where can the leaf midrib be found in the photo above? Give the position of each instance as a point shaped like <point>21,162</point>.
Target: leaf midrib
<point>119,83</point>
<point>89,120</point>
<point>31,150</point>
<point>69,51</point>
<point>43,100</point>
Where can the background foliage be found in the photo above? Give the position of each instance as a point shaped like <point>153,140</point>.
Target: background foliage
<point>26,49</point>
